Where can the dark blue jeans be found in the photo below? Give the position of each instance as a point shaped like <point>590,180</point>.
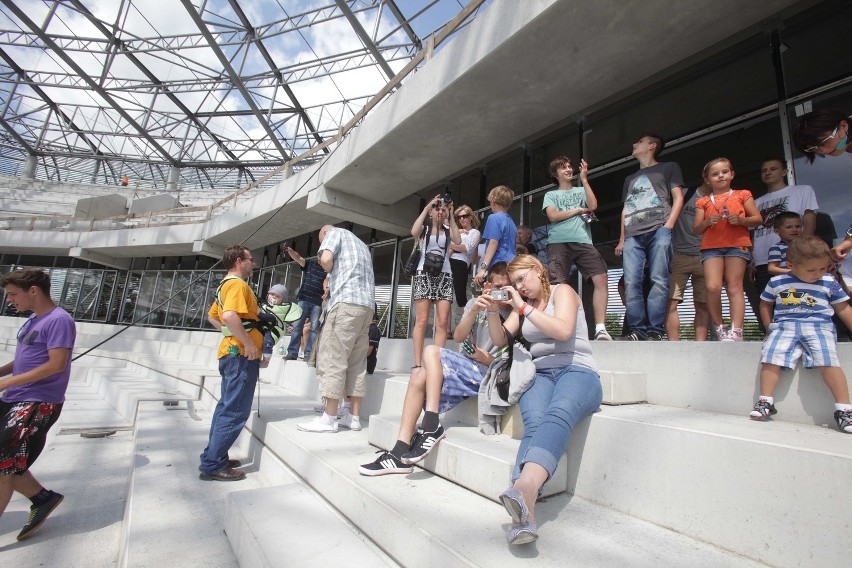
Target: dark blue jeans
<point>655,248</point>
<point>308,311</point>
<point>239,378</point>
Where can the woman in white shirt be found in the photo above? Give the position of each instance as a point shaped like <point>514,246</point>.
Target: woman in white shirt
<point>465,252</point>
<point>432,284</point>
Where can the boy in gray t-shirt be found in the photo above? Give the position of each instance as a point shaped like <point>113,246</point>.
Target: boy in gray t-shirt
<point>653,197</point>
<point>686,264</point>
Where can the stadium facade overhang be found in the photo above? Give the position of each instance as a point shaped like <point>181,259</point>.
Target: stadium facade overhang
<point>519,69</point>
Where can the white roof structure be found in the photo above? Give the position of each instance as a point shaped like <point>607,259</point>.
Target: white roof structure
<point>223,91</point>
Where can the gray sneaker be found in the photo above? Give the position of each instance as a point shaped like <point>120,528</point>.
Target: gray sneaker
<point>349,421</point>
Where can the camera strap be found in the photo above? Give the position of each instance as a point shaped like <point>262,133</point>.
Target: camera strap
<point>428,230</point>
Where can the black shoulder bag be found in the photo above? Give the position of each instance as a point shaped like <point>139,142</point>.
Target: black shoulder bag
<point>433,264</point>
<point>410,266</point>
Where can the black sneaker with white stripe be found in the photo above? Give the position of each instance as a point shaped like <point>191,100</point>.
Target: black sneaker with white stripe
<point>423,444</point>
<point>385,464</point>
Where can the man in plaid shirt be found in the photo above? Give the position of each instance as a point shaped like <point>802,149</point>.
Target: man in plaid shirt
<point>344,338</point>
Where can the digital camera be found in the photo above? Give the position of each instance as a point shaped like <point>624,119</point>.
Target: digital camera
<point>499,295</point>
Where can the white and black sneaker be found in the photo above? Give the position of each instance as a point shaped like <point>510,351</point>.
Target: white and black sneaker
<point>385,464</point>
<point>423,443</point>
<point>603,335</point>
<point>842,417</point>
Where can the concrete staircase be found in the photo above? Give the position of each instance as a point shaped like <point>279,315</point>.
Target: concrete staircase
<point>680,477</point>
<point>772,492</point>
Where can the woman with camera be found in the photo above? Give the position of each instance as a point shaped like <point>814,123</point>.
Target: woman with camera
<point>433,282</point>
<point>464,252</point>
<point>566,387</point>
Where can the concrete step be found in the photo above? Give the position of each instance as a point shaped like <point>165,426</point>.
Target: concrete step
<point>719,377</point>
<point>424,520</point>
<point>172,517</point>
<point>92,474</point>
<point>290,525</point>
<point>480,463</point>
<point>705,475</point>
<point>776,491</point>
<point>124,388</point>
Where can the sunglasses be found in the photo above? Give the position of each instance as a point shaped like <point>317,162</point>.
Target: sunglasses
<point>463,216</point>
<point>813,149</point>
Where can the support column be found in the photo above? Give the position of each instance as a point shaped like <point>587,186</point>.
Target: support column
<point>29,168</point>
<point>174,176</point>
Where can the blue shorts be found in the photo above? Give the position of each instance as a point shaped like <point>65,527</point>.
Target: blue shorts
<point>462,377</point>
<point>816,342</point>
<point>739,252</point>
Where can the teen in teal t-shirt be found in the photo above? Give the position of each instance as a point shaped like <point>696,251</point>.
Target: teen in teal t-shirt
<point>573,229</point>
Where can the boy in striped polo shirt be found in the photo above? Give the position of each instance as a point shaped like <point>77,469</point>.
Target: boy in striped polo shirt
<point>796,309</point>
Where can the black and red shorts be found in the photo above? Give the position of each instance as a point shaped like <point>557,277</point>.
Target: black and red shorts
<point>23,433</point>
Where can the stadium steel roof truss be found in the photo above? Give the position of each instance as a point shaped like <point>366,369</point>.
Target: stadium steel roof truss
<point>223,90</point>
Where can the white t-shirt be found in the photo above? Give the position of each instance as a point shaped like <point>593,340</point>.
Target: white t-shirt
<point>470,240</point>
<point>796,198</point>
<point>436,245</point>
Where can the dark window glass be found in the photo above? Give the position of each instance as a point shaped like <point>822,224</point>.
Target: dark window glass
<point>815,46</point>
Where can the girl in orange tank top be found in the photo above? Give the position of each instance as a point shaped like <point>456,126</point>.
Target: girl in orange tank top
<point>723,218</point>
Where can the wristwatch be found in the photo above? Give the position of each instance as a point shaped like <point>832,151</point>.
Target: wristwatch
<point>484,266</point>
<point>849,233</point>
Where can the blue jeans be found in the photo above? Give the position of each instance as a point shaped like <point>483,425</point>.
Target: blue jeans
<point>309,310</point>
<point>239,377</point>
<point>655,248</point>
<point>551,407</point>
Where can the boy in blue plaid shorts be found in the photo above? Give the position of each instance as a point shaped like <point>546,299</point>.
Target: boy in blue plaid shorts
<point>803,302</point>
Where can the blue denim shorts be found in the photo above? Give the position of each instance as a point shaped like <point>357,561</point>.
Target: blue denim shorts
<point>741,252</point>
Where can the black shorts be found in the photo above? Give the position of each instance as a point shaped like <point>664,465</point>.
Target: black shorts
<point>23,433</point>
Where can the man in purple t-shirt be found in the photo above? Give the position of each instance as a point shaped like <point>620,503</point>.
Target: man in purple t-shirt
<point>33,387</point>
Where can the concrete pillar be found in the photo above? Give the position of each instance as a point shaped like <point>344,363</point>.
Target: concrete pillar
<point>174,176</point>
<point>29,168</point>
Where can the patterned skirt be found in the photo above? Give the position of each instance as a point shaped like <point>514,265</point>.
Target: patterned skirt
<point>428,287</point>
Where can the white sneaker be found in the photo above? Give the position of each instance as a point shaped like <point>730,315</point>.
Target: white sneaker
<point>722,332</point>
<point>318,424</point>
<point>342,411</point>
<point>349,421</point>
<point>603,335</point>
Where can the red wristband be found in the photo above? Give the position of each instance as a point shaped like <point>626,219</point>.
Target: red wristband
<point>522,309</point>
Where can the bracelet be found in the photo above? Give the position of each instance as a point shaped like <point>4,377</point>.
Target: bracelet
<point>493,311</point>
<point>522,309</point>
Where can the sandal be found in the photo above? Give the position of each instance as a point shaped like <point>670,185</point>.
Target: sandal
<point>513,501</point>
<point>522,533</point>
